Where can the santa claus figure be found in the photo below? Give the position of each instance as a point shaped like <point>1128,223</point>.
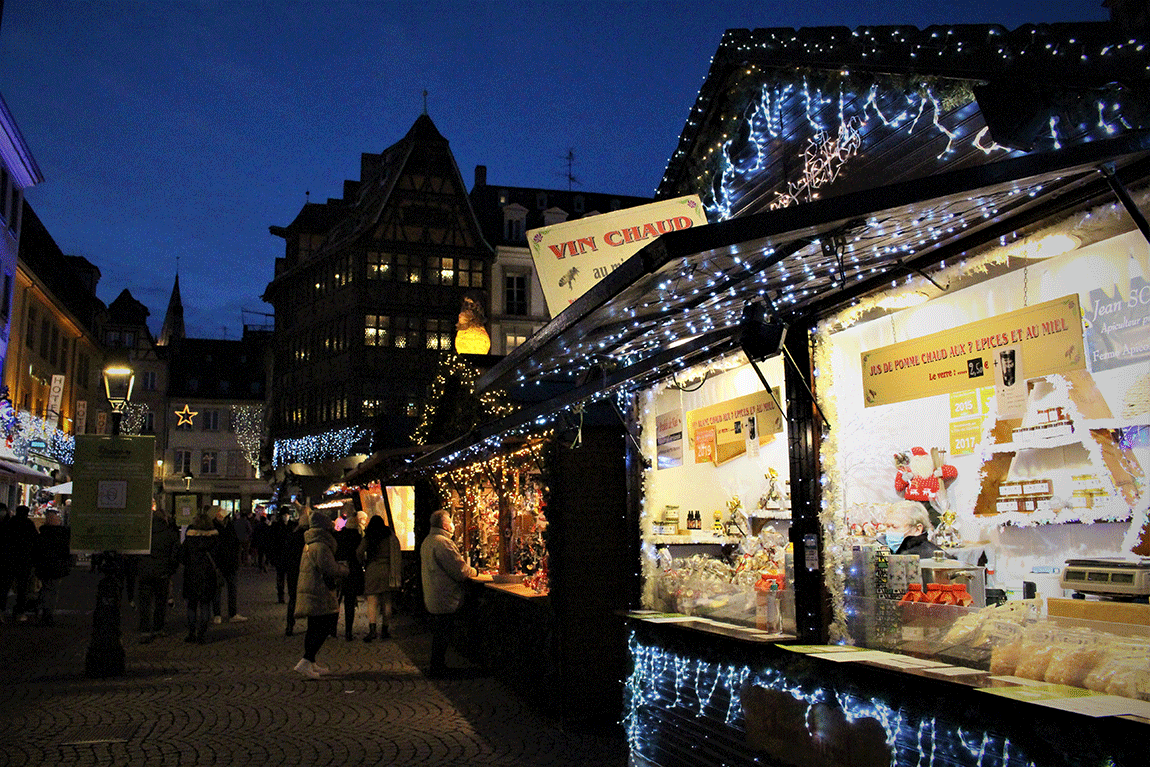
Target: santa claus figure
<point>919,480</point>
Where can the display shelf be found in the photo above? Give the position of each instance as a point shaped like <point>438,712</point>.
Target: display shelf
<point>671,540</point>
<point>771,514</point>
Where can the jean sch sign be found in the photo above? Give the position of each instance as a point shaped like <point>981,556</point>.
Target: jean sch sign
<point>573,256</point>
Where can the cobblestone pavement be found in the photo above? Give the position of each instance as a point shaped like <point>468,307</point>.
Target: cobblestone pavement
<point>237,701</point>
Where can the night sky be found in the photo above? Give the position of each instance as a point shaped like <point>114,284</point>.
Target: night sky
<point>170,130</point>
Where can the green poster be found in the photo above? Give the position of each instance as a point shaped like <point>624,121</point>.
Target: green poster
<point>112,493</point>
<point>185,509</point>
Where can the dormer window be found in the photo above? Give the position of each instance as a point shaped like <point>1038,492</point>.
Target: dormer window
<point>553,216</point>
<point>514,223</point>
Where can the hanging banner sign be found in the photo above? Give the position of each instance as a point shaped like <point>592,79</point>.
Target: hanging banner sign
<point>1118,329</point>
<point>1032,342</point>
<point>573,256</point>
<point>81,416</point>
<point>669,439</point>
<point>733,428</point>
<point>112,494</point>
<point>55,398</point>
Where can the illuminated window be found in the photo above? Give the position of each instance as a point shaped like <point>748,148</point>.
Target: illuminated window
<point>379,266</point>
<point>513,337</point>
<point>376,330</point>
<point>408,268</point>
<point>470,273</point>
<point>439,334</point>
<point>406,332</point>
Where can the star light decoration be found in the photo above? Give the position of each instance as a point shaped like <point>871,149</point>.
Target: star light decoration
<point>695,688</point>
<point>186,415</point>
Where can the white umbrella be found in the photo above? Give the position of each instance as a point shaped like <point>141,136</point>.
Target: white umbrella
<point>61,489</point>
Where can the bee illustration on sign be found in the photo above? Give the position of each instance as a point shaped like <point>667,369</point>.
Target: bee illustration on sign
<point>568,279</point>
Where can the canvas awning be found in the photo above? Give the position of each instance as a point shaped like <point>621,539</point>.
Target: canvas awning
<point>24,474</point>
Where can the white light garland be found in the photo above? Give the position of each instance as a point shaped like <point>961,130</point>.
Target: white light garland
<point>328,446</point>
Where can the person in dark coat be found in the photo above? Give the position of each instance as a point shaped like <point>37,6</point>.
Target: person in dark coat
<point>908,530</point>
<point>346,543</point>
<point>5,560</point>
<point>293,551</point>
<point>260,541</point>
<point>51,560</point>
<point>155,572</point>
<point>197,556</point>
<point>21,540</point>
<point>229,562</point>
<point>275,541</point>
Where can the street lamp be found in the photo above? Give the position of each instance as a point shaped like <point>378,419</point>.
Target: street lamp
<point>105,655</point>
<point>188,477</point>
<point>118,381</point>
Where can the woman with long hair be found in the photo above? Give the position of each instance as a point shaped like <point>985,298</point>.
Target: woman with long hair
<point>380,554</point>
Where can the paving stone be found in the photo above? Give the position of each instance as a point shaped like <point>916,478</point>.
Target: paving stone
<point>236,699</point>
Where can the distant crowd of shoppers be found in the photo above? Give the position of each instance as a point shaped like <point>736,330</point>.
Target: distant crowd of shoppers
<point>320,572</point>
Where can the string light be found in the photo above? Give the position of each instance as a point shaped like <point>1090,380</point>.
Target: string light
<point>661,680</point>
<point>248,422</point>
<point>328,446</point>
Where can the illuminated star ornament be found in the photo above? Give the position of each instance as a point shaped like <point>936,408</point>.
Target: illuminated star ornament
<point>186,415</point>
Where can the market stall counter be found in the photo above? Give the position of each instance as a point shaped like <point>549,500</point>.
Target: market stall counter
<point>697,696</point>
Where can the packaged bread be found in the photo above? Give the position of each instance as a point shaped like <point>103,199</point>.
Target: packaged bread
<point>1038,643</point>
<point>1075,655</point>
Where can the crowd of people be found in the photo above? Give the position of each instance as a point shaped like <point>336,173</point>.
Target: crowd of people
<point>320,572</point>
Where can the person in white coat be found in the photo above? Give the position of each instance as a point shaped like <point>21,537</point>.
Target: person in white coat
<point>319,572</point>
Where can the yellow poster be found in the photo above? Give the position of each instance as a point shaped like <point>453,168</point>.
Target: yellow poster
<point>1031,342</point>
<point>964,435</point>
<point>964,404</point>
<point>734,427</point>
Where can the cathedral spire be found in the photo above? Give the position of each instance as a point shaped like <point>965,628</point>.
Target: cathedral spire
<point>173,329</point>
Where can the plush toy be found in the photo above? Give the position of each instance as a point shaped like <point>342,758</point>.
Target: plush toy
<point>919,480</point>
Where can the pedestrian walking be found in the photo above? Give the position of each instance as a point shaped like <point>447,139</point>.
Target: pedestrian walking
<point>293,553</point>
<point>228,561</point>
<point>51,561</point>
<point>276,542</point>
<point>242,524</point>
<point>380,555</point>
<point>346,543</point>
<point>260,541</point>
<point>319,573</point>
<point>443,572</point>
<point>154,577</point>
<point>201,575</point>
<point>5,560</point>
<point>21,540</point>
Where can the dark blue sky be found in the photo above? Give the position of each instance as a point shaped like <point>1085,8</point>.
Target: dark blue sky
<point>168,129</point>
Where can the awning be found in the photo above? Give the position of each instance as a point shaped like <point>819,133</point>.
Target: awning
<point>61,489</point>
<point>25,474</point>
<point>677,299</point>
<point>680,300</point>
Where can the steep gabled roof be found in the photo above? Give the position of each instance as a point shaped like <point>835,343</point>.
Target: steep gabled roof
<point>40,254</point>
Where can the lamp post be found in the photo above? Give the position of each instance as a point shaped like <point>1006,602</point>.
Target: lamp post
<point>106,652</point>
<point>118,381</point>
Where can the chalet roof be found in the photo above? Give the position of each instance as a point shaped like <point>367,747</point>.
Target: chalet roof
<point>786,116</point>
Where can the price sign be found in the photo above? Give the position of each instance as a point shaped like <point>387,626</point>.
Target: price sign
<point>964,435</point>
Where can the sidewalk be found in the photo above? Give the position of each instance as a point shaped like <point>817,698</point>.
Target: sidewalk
<point>236,700</point>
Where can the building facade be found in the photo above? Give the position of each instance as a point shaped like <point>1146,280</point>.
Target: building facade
<point>367,298</point>
<point>213,422</point>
